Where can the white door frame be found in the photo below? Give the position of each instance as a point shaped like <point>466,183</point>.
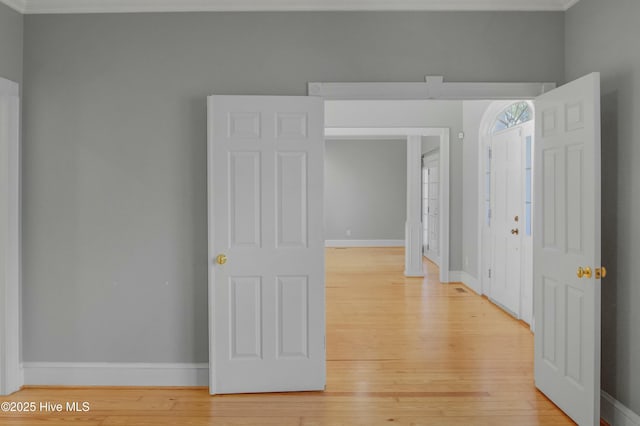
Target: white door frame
<point>413,226</point>
<point>11,378</point>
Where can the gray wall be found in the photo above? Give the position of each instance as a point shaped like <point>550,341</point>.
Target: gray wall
<point>115,251</point>
<point>365,189</point>
<point>603,36</point>
<point>11,24</point>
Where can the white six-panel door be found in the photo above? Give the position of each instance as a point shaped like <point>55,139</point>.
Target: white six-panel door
<point>567,237</point>
<point>267,320</point>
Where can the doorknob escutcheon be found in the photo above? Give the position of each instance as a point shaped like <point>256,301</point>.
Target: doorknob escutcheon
<point>221,259</point>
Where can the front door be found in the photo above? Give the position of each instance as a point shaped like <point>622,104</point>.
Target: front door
<point>508,203</point>
<point>266,244</point>
<point>566,247</point>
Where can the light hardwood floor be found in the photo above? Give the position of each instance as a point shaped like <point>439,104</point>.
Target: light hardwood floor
<point>403,351</point>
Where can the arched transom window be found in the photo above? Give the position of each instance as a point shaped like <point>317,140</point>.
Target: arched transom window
<point>511,116</point>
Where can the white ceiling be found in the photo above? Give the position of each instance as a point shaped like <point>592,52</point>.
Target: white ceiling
<point>111,6</point>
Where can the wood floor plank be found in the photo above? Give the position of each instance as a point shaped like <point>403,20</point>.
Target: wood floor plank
<point>401,351</point>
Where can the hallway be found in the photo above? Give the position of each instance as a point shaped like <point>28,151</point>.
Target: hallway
<point>400,351</point>
<point>420,351</point>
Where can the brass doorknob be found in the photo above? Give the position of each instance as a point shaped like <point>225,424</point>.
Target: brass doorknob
<point>584,272</point>
<point>515,231</point>
<point>601,272</point>
<point>221,259</point>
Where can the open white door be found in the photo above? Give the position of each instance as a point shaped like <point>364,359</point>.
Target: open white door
<point>266,244</point>
<point>566,246</point>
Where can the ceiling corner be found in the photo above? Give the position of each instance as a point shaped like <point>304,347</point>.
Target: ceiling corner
<point>566,4</point>
<point>18,5</point>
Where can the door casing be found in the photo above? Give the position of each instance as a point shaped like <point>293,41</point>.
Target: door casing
<point>11,377</point>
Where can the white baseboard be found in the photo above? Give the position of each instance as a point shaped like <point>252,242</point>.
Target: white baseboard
<point>364,243</point>
<point>115,374</point>
<point>466,279</point>
<point>615,413</point>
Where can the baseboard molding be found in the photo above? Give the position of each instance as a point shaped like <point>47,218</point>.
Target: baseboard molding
<point>364,243</point>
<point>615,413</point>
<point>466,279</point>
<point>115,374</point>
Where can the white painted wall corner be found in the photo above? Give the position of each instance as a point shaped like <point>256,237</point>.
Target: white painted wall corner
<point>615,413</point>
<point>466,279</point>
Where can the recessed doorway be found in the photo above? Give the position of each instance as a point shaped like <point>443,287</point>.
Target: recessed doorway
<point>507,131</point>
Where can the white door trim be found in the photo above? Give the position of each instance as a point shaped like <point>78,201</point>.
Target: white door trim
<point>413,135</point>
<point>433,87</point>
<point>10,289</point>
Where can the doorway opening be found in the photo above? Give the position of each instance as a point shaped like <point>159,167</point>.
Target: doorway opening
<point>431,206</point>
<point>414,137</point>
<point>506,206</point>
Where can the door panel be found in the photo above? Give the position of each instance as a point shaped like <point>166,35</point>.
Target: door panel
<point>267,321</point>
<point>293,326</point>
<point>567,216</point>
<point>244,205</point>
<point>292,202</point>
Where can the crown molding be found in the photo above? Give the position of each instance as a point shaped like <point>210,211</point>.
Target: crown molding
<point>17,5</point>
<point>133,6</point>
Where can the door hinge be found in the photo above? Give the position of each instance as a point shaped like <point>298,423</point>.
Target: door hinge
<point>489,272</point>
<point>490,153</point>
<point>489,213</point>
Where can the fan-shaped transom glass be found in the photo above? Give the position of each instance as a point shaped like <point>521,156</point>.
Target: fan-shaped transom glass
<point>513,115</point>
